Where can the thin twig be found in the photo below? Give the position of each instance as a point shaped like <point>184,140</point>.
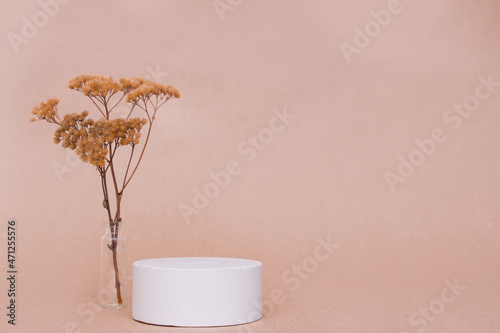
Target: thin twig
<point>105,191</point>
<point>128,166</point>
<point>142,152</point>
<point>111,109</point>
<point>97,106</point>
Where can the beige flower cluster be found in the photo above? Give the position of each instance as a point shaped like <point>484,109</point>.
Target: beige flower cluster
<point>94,85</point>
<point>141,89</point>
<point>135,88</point>
<point>90,139</point>
<point>46,111</point>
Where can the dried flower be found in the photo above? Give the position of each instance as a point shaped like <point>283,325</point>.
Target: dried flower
<point>46,111</point>
<point>93,85</point>
<point>97,141</point>
<point>144,90</point>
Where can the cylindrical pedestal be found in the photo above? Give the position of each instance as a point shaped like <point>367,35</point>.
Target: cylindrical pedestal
<point>197,292</point>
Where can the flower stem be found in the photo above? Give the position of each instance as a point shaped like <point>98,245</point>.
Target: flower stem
<point>143,149</point>
<point>114,230</point>
<point>114,245</point>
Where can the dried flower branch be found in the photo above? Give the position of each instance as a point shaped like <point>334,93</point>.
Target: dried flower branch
<point>97,141</point>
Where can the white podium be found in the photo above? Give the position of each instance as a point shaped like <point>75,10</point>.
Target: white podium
<point>197,292</point>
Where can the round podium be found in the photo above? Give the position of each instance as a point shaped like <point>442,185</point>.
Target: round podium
<point>197,292</point>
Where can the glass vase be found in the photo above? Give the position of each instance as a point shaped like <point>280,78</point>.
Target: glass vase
<point>111,291</point>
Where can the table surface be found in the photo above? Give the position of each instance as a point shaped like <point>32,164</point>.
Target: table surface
<point>321,303</point>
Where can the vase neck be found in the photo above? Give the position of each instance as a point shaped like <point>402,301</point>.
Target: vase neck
<point>113,227</point>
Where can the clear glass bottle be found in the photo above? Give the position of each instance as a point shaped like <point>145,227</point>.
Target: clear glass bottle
<point>113,275</point>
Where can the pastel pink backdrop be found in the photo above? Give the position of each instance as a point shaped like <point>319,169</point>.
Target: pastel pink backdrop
<point>323,175</point>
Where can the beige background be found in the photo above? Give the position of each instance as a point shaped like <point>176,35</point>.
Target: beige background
<point>321,176</point>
